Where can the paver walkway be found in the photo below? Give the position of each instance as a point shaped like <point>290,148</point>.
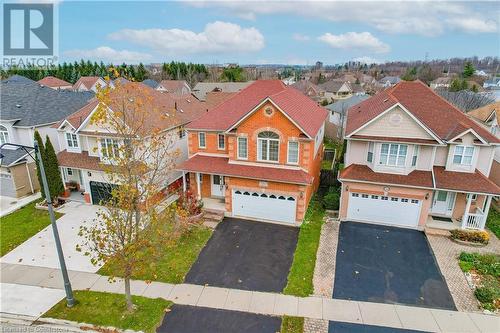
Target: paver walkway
<point>326,308</point>
<point>446,253</point>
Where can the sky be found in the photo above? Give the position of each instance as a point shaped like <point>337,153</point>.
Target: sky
<point>270,32</point>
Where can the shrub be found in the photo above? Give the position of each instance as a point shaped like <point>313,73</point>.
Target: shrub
<point>481,237</point>
<point>486,294</point>
<point>189,203</point>
<point>332,199</point>
<point>486,264</point>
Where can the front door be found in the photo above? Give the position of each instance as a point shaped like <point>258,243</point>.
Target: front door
<point>217,186</point>
<point>443,202</point>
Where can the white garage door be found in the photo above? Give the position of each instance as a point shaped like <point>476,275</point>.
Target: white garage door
<point>268,206</point>
<point>386,210</point>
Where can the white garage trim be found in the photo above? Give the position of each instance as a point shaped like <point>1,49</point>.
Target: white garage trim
<point>267,206</point>
<point>396,211</point>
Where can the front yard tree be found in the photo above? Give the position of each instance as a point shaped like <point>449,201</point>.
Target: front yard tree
<point>41,146</point>
<point>56,186</point>
<point>129,229</point>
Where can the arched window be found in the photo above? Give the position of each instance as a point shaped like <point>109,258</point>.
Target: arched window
<point>268,144</point>
<point>4,135</point>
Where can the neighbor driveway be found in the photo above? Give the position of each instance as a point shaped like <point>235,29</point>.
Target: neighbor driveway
<point>40,250</point>
<point>389,265</point>
<point>247,255</point>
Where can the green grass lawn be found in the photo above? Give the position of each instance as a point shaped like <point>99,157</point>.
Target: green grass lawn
<point>301,273</point>
<point>105,309</point>
<point>20,225</point>
<point>326,165</point>
<point>493,222</point>
<point>176,261</point>
<point>292,324</point>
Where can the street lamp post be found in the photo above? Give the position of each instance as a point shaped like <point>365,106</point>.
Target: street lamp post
<point>70,301</point>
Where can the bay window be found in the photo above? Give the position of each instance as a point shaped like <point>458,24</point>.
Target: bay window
<point>393,154</point>
<point>242,148</point>
<point>268,146</point>
<point>293,152</point>
<point>202,140</point>
<point>109,148</point>
<point>463,155</point>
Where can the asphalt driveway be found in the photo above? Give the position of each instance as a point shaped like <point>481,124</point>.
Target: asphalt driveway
<point>246,255</point>
<point>339,327</point>
<point>388,265</point>
<point>189,319</point>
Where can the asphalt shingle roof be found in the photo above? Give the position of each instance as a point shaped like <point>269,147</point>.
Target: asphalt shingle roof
<point>342,105</point>
<point>31,104</point>
<point>9,156</point>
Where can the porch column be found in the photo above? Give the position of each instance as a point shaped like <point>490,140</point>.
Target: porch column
<point>183,181</point>
<point>486,211</point>
<point>198,186</point>
<point>466,213</point>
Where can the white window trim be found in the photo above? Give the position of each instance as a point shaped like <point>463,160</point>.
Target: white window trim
<point>371,150</point>
<point>462,155</point>
<point>74,149</point>
<point>415,155</point>
<point>397,155</point>
<point>238,147</point>
<point>101,148</point>
<point>288,152</point>
<point>5,135</point>
<point>204,139</point>
<point>268,150</point>
<point>218,141</point>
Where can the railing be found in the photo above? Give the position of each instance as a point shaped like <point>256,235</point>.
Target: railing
<point>474,220</point>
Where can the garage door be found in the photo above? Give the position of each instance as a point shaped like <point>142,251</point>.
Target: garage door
<point>100,192</point>
<point>267,206</point>
<point>396,211</point>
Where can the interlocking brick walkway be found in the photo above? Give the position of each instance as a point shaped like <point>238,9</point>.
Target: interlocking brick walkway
<point>446,253</point>
<point>324,271</point>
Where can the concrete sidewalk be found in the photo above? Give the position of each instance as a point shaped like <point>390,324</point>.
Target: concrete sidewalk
<point>389,315</point>
<point>9,204</point>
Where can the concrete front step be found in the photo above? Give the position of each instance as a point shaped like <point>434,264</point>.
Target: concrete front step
<point>436,232</point>
<point>212,217</point>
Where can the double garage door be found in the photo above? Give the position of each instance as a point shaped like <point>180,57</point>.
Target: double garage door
<point>397,211</point>
<point>267,206</point>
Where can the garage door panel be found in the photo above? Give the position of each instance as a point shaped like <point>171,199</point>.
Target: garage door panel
<point>268,206</point>
<point>384,209</point>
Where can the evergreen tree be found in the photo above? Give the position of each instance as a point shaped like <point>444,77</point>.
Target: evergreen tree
<point>41,147</point>
<point>141,73</point>
<point>468,69</point>
<point>54,179</point>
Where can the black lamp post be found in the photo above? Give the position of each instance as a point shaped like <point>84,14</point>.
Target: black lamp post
<point>70,301</point>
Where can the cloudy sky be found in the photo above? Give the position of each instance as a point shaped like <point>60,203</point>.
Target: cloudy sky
<point>286,32</point>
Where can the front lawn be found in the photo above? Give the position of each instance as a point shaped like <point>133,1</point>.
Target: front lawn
<point>105,309</point>
<point>292,324</point>
<point>493,222</point>
<point>22,224</point>
<point>300,278</point>
<point>485,272</point>
<point>176,260</point>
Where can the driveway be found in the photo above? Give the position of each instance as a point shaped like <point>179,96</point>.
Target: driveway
<point>247,255</point>
<point>388,265</point>
<point>340,327</point>
<point>40,250</point>
<point>188,319</point>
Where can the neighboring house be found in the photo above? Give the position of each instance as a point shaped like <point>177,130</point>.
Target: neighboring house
<point>493,82</point>
<point>84,145</point>
<point>389,81</point>
<point>489,117</point>
<point>357,89</point>
<point>215,98</point>
<point>480,73</point>
<point>258,155</point>
<point>494,92</point>
<point>336,89</point>
<point>310,90</point>
<point>26,107</point>
<point>414,160</point>
<point>289,80</point>
<point>89,83</point>
<point>120,80</point>
<point>178,87</point>
<point>55,83</point>
<point>441,82</point>
<point>337,115</point>
<point>151,83</point>
<point>201,89</point>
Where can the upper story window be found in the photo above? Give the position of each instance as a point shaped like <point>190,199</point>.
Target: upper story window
<point>293,152</point>
<point>72,140</point>
<point>393,154</point>
<point>242,147</point>
<point>109,148</point>
<point>463,155</point>
<point>181,132</point>
<point>202,143</point>
<point>369,156</point>
<point>414,157</point>
<point>4,135</point>
<point>268,146</point>
<point>221,141</point>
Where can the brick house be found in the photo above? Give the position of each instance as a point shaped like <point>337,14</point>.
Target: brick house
<point>415,160</point>
<point>258,154</point>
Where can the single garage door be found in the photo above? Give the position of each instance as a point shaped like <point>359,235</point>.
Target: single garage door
<point>396,211</point>
<point>267,206</point>
<point>100,192</point>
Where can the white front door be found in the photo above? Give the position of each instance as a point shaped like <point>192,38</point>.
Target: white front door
<point>442,202</point>
<point>266,206</point>
<point>217,186</point>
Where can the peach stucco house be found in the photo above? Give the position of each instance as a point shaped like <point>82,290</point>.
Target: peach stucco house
<point>258,154</point>
<point>414,160</point>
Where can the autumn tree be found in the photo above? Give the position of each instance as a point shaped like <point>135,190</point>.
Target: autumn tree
<point>130,233</point>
